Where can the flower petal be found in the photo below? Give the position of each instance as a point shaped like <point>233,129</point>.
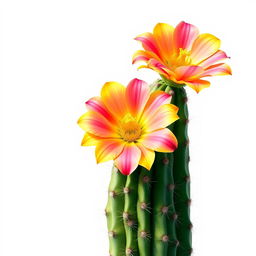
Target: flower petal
<point>96,124</point>
<point>155,100</point>
<point>97,105</point>
<point>148,42</point>
<point>108,149</point>
<point>113,97</point>
<point>129,159</point>
<point>147,156</point>
<point>198,84</point>
<point>217,70</point>
<point>184,73</point>
<point>163,34</point>
<point>90,140</point>
<point>217,56</point>
<point>140,56</point>
<point>143,56</point>
<point>184,35</point>
<point>137,94</point>
<point>164,116</point>
<point>160,68</point>
<point>204,46</point>
<point>162,140</point>
<point>143,66</point>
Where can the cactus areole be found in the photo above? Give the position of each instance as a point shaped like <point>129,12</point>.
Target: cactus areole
<point>143,129</point>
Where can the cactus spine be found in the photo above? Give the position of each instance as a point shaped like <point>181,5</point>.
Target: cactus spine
<point>148,211</point>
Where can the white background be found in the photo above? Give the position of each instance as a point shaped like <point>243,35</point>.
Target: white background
<point>56,55</point>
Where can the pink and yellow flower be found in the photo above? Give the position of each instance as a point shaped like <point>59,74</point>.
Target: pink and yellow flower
<point>127,124</point>
<point>182,55</point>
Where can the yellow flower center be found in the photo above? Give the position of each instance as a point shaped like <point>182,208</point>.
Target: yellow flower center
<point>129,129</point>
<point>183,58</point>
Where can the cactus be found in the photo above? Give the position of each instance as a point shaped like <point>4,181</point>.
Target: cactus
<point>148,211</point>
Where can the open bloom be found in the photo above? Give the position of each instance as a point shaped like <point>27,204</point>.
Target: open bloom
<point>127,124</point>
<point>182,55</point>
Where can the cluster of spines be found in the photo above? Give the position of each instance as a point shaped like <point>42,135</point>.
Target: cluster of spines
<point>148,211</point>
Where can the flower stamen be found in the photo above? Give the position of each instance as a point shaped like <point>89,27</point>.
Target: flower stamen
<point>182,58</point>
<point>130,131</point>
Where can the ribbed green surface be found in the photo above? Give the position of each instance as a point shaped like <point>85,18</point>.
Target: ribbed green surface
<point>171,224</point>
<point>144,208</point>
<point>130,213</point>
<point>181,176</point>
<point>114,209</point>
<point>161,204</point>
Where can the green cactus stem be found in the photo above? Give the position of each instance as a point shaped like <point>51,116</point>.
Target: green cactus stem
<point>181,175</point>
<point>163,223</point>
<point>144,208</point>
<point>171,224</point>
<point>114,209</point>
<point>130,213</point>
